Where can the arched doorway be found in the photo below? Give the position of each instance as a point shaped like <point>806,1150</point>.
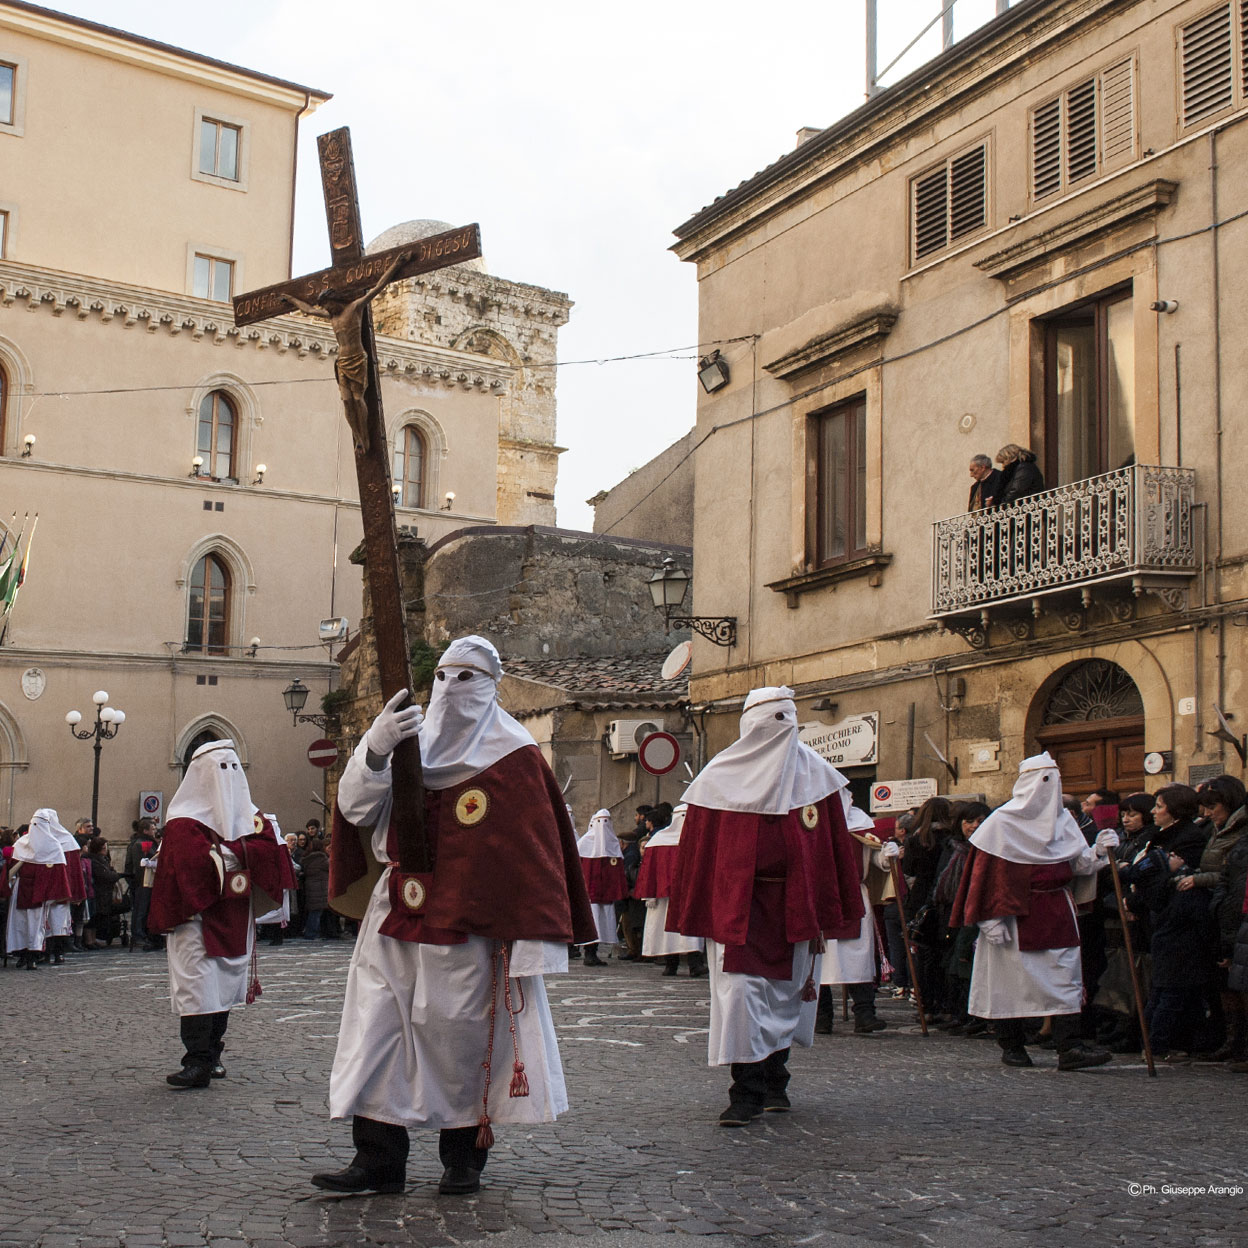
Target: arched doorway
<point>1092,722</point>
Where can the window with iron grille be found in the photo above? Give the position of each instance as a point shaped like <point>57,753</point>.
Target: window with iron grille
<point>1088,128</point>
<point>949,202</point>
<point>1213,63</point>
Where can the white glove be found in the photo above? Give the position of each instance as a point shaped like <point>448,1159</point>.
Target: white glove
<point>1105,842</point>
<point>995,931</point>
<point>890,850</point>
<point>652,903</point>
<point>393,726</point>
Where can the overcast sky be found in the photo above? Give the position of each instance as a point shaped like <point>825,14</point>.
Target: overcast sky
<point>578,134</point>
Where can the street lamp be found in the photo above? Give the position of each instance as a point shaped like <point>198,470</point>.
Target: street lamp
<point>295,695</point>
<point>107,721</point>
<point>668,587</point>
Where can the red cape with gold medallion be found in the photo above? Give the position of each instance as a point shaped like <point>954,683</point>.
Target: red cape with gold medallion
<point>505,859</point>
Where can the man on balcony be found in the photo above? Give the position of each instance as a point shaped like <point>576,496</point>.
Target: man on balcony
<point>985,484</point>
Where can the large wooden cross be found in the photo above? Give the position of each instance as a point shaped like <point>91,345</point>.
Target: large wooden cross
<point>342,294</point>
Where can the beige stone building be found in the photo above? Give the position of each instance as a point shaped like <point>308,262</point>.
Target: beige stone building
<point>1037,239</point>
<point>194,483</point>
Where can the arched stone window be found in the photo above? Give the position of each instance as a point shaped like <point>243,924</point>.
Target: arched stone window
<point>208,607</point>
<point>217,438</point>
<point>204,728</point>
<point>410,458</point>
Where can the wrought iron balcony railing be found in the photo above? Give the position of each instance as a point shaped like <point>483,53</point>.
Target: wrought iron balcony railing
<point>1133,525</point>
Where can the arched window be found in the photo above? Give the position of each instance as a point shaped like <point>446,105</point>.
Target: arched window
<point>207,618</point>
<point>200,738</point>
<point>217,425</point>
<point>409,467</point>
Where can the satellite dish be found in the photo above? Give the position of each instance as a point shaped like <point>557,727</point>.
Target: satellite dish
<point>677,661</point>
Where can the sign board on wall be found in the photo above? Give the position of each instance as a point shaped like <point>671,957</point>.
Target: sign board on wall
<point>852,742</point>
<point>901,794</point>
<point>152,805</point>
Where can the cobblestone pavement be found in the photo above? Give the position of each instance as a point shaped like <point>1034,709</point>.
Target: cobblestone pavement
<point>894,1138</point>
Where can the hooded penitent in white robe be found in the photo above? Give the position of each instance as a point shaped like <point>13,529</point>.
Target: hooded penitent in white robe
<point>415,1020</point>
<point>1034,828</point>
<point>766,771</point>
<point>600,841</point>
<point>27,928</point>
<point>656,940</point>
<point>219,797</point>
<point>852,960</point>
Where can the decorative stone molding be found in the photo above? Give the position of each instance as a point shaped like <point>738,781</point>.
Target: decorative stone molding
<point>225,729</point>
<point>830,348</point>
<point>793,587</point>
<point>1136,204</point>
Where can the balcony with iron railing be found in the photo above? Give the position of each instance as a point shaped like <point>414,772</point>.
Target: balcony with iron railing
<point>1107,539</point>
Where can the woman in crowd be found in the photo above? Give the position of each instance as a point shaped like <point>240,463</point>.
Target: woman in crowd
<point>958,948</point>
<point>920,862</point>
<point>1020,475</point>
<point>1174,814</point>
<point>99,929</point>
<point>315,887</point>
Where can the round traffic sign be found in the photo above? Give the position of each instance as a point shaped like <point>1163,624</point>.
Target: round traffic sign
<point>322,753</point>
<point>659,753</point>
<point>151,804</point>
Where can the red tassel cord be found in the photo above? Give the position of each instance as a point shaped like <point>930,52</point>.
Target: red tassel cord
<point>485,1133</point>
<point>809,991</point>
<point>886,967</point>
<point>253,988</point>
<point>519,1080</point>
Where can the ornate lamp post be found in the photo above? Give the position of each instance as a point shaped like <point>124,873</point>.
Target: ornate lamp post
<point>668,587</point>
<point>107,722</point>
<point>295,695</point>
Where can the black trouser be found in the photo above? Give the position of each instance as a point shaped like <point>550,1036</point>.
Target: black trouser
<point>203,1038</point>
<point>1067,1032</point>
<point>381,1148</point>
<point>751,1081</point>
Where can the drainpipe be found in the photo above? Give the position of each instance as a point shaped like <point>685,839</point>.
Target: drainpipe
<point>1217,411</point>
<point>910,743</point>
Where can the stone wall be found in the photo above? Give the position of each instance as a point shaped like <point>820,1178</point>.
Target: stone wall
<point>654,502</point>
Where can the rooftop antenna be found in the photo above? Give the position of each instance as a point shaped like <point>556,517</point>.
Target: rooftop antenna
<point>945,17</point>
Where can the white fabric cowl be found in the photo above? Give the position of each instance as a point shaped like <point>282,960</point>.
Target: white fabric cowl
<point>215,792</point>
<point>600,841</point>
<point>767,771</point>
<point>670,835</point>
<point>43,844</point>
<point>465,730</point>
<point>64,837</point>
<point>856,820</point>
<point>1033,826</point>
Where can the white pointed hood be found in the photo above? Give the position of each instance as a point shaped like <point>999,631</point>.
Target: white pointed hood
<point>670,835</point>
<point>465,730</point>
<point>214,792</point>
<point>600,841</point>
<point>42,844</point>
<point>767,771</point>
<point>1033,826</point>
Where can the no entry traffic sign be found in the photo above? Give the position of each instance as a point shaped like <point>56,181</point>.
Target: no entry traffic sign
<point>659,753</point>
<point>322,753</point>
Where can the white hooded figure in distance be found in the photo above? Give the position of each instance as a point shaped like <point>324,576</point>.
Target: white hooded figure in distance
<point>1026,860</point>
<point>602,863</point>
<point>446,979</point>
<point>38,879</point>
<point>654,886</point>
<point>765,865</point>
<point>217,859</point>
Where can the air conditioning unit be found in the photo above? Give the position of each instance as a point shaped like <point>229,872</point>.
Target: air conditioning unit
<point>624,736</point>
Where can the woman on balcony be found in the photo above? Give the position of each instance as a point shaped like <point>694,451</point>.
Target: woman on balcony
<point>1020,475</point>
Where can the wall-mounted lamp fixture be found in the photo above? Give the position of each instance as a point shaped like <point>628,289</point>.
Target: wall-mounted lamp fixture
<point>28,445</point>
<point>261,469</point>
<point>449,500</point>
<point>1164,305</point>
<point>196,464</point>
<point>668,587</point>
<point>252,646</point>
<point>713,372</point>
<point>295,695</point>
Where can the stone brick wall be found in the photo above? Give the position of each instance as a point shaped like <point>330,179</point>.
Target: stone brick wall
<point>654,501</point>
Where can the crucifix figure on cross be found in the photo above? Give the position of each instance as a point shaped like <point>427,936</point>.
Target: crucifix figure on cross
<point>342,294</point>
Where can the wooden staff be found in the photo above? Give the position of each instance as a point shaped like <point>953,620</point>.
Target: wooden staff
<point>1135,979</point>
<point>901,914</point>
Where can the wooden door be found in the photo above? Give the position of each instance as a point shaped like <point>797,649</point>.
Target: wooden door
<point>1105,755</point>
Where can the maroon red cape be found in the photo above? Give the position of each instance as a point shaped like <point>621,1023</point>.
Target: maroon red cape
<point>715,869</point>
<point>1035,895</point>
<point>658,870</point>
<point>605,879</point>
<point>515,874</point>
<point>77,881</point>
<point>38,882</point>
<point>187,883</point>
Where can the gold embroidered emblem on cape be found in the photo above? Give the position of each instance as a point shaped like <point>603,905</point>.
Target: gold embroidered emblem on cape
<point>413,893</point>
<point>471,806</point>
<point>810,816</point>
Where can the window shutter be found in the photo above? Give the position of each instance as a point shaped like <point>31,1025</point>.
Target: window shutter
<point>1117,93</point>
<point>1046,149</point>
<point>931,204</point>
<point>1081,130</point>
<point>1207,65</point>
<point>967,209</point>
<point>1243,47</point>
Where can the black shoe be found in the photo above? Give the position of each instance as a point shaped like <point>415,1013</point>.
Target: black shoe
<point>1016,1057</point>
<point>1083,1056</point>
<point>865,1024</point>
<point>823,1026</point>
<point>355,1179</point>
<point>776,1103</point>
<point>739,1114</point>
<point>594,961</point>
<point>696,972</point>
<point>669,972</point>
<point>976,1027</point>
<point>217,1071</point>
<point>58,960</point>
<point>190,1077</point>
<point>459,1181</point>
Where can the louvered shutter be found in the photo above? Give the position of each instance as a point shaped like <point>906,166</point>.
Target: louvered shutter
<point>1046,149</point>
<point>1117,107</point>
<point>1081,131</point>
<point>1207,65</point>
<point>931,211</point>
<point>1243,48</point>
<point>967,207</point>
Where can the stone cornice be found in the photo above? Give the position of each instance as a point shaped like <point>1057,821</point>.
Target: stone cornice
<point>1140,201</point>
<point>203,320</point>
<point>194,664</point>
<point>467,285</point>
<point>832,347</point>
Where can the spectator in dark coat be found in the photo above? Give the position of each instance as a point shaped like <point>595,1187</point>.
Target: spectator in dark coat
<point>316,887</point>
<point>101,924</point>
<point>1020,475</point>
<point>986,484</point>
<point>921,859</point>
<point>1174,814</point>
